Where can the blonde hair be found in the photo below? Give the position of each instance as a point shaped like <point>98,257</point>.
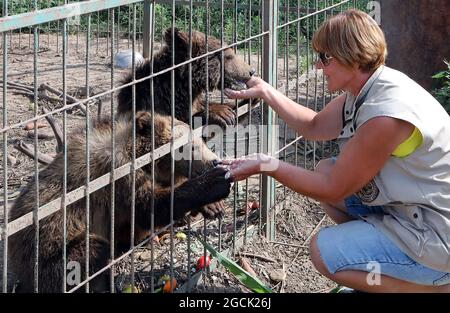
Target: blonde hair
<point>354,39</point>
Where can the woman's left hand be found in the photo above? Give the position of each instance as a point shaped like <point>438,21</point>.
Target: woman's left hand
<point>249,165</point>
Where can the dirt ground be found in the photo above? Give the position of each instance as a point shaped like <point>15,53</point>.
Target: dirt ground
<point>297,218</point>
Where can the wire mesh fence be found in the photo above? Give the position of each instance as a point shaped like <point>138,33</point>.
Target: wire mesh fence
<point>99,100</point>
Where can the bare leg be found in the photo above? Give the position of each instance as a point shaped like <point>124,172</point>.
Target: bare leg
<point>358,279</point>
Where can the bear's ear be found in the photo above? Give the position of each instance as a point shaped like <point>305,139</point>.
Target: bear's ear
<point>181,39</point>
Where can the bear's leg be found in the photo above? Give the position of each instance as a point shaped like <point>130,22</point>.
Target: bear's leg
<point>194,194</point>
<point>223,113</point>
<point>99,254</point>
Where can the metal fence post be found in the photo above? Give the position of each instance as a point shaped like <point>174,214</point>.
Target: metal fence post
<point>270,16</point>
<point>147,27</point>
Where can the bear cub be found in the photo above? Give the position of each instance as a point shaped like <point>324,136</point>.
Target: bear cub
<point>236,72</point>
<point>207,185</point>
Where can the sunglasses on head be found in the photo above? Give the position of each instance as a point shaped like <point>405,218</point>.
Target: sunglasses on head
<point>324,58</point>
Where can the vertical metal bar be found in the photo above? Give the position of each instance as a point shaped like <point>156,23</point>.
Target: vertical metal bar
<point>222,87</point>
<point>248,133</point>
<point>152,99</point>
<point>64,191</point>
<point>5,154</point>
<point>286,45</point>
<point>20,29</point>
<point>107,32</point>
<point>133,155</point>
<point>190,140</point>
<point>88,163</point>
<point>323,87</point>
<point>36,165</point>
<point>129,26</point>
<point>270,75</point>
<point>263,70</point>
<point>57,27</point>
<point>147,32</point>
<point>118,30</point>
<point>78,35</point>
<point>297,72</point>
<point>139,35</point>
<point>98,31</point>
<point>236,138</point>
<point>308,49</point>
<point>316,24</point>
<point>29,28</point>
<point>49,27</point>
<point>172,150</point>
<point>113,156</point>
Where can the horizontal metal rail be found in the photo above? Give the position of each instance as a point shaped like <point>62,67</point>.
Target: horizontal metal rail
<point>58,13</point>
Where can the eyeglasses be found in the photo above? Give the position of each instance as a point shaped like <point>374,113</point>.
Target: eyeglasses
<point>324,58</point>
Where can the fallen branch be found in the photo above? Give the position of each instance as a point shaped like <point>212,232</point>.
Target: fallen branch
<point>23,92</point>
<point>56,130</point>
<point>14,84</point>
<point>59,93</point>
<point>267,259</point>
<point>29,151</point>
<point>288,244</point>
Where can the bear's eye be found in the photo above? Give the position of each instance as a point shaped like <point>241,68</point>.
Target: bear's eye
<point>229,57</point>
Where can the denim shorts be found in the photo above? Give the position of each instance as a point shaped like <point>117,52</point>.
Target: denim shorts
<point>358,245</point>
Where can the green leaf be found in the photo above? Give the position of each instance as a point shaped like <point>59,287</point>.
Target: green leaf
<point>439,75</point>
<point>244,277</point>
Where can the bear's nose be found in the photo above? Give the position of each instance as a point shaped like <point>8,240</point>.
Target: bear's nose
<point>252,72</point>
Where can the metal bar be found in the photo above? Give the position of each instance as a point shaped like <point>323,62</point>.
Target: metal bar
<point>118,30</point>
<point>297,73</point>
<point>113,158</point>
<point>270,73</point>
<point>36,164</point>
<point>59,12</point>
<point>172,150</point>
<point>222,87</point>
<point>147,28</point>
<point>152,104</point>
<point>133,148</point>
<point>88,163</point>
<point>316,25</point>
<point>5,154</point>
<point>63,204</point>
<point>190,139</point>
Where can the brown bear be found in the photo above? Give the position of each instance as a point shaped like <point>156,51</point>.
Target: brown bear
<point>207,185</point>
<point>236,72</point>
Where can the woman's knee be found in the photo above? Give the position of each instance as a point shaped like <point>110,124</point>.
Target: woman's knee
<point>315,256</point>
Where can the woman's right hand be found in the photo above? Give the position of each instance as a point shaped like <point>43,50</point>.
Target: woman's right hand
<point>256,89</point>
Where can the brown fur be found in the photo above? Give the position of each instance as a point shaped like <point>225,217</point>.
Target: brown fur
<point>236,73</point>
<point>207,185</point>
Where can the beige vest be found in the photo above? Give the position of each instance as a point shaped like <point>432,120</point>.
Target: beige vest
<point>415,190</point>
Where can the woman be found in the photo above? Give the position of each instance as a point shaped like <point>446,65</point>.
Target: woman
<point>389,188</point>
